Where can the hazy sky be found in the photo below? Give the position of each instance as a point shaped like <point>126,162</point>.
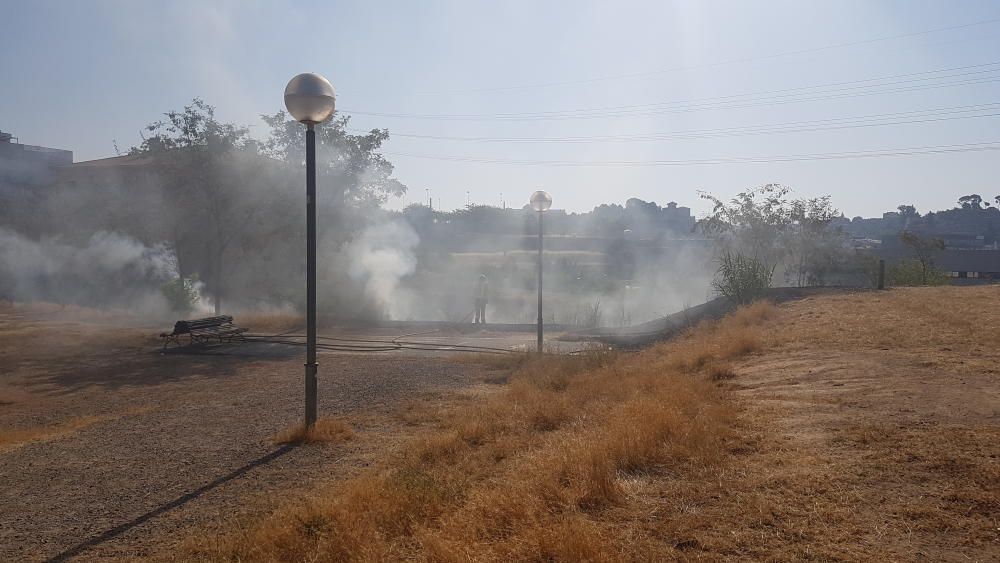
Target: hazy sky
<point>658,99</point>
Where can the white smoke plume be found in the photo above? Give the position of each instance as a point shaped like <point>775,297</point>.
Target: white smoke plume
<point>379,258</point>
<point>109,269</point>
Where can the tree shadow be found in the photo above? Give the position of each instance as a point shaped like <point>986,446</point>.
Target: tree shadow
<point>162,509</point>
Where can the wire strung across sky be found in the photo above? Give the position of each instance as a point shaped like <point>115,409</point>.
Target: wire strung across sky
<point>892,84</point>
<point>908,151</point>
<point>958,76</point>
<point>720,63</point>
<point>873,120</point>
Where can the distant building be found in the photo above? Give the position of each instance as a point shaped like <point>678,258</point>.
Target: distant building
<point>29,165</point>
<point>679,219</point>
<point>966,241</point>
<point>970,264</point>
<point>113,171</point>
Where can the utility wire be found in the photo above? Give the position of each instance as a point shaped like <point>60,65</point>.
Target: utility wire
<point>902,83</point>
<point>722,63</point>
<point>909,151</point>
<point>872,120</point>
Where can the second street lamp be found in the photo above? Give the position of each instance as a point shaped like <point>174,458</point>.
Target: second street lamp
<point>310,100</point>
<point>541,201</point>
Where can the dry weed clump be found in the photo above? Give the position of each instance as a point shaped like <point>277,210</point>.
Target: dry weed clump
<point>540,471</point>
<point>325,430</point>
<point>710,344</point>
<point>720,371</point>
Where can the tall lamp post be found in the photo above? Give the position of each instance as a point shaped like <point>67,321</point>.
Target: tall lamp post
<point>310,100</point>
<point>541,201</point>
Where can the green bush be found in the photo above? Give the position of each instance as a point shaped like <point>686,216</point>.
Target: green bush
<point>181,294</point>
<point>742,279</point>
<point>912,273</point>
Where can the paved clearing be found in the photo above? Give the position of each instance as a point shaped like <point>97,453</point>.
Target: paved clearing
<point>111,446</point>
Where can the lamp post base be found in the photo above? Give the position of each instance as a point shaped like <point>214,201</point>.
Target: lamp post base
<point>311,370</point>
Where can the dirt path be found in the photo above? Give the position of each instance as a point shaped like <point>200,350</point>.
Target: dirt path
<point>130,447</point>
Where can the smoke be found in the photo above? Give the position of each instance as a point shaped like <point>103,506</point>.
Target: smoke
<point>111,234</point>
<point>109,270</point>
<point>589,281</point>
<point>379,258</point>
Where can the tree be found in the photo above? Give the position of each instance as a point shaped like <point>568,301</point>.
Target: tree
<point>755,221</point>
<point>206,166</point>
<point>972,201</point>
<point>236,217</point>
<point>360,176</point>
<point>908,212</point>
<point>765,225</point>
<point>925,249</point>
<point>814,248</point>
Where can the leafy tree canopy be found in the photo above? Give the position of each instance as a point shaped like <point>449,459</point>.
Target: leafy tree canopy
<point>352,164</point>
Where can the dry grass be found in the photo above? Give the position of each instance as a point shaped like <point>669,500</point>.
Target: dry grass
<point>852,427</point>
<point>710,344</point>
<point>11,439</point>
<point>326,430</point>
<point>547,469</point>
<point>904,318</point>
<point>271,323</point>
<point>870,435</point>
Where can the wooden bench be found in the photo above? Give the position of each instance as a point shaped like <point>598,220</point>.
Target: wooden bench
<point>203,331</point>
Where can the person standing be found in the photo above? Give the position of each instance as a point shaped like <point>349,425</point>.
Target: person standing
<point>482,298</point>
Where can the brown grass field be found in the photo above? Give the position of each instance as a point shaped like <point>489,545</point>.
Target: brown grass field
<point>842,427</point>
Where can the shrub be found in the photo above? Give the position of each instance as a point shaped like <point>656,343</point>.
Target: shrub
<point>742,279</point>
<point>181,294</point>
<point>911,273</point>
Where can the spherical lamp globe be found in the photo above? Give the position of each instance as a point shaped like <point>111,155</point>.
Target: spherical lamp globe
<point>310,98</point>
<point>541,201</point>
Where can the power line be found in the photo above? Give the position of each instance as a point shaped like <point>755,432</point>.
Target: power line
<point>914,81</point>
<point>909,151</point>
<point>720,63</point>
<point>875,120</point>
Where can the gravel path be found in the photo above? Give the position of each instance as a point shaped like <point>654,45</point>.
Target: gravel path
<point>182,441</point>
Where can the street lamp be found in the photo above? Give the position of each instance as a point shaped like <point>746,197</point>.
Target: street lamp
<point>310,100</point>
<point>540,201</point>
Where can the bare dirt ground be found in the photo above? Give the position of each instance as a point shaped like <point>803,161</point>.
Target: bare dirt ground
<point>109,449</point>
